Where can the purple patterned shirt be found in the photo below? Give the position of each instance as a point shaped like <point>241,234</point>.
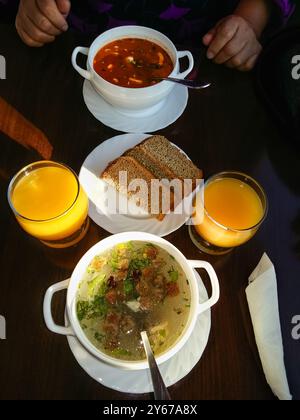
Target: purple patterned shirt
<point>182,20</point>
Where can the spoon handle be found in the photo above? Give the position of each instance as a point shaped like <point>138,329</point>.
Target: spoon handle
<point>160,390</point>
<point>192,84</point>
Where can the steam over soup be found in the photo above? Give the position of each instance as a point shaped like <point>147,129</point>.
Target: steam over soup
<point>133,287</point>
<point>132,62</point>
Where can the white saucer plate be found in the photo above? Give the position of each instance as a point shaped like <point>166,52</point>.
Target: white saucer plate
<point>139,382</point>
<point>101,195</point>
<point>172,109</point>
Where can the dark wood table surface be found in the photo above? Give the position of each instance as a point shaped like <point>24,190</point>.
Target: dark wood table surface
<point>222,128</point>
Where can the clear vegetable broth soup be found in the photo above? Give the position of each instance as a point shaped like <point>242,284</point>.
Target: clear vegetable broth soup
<point>134,286</point>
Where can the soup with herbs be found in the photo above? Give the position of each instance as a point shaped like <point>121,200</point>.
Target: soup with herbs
<point>132,62</point>
<point>133,287</point>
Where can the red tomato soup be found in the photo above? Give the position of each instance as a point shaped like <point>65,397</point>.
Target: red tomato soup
<point>132,62</point>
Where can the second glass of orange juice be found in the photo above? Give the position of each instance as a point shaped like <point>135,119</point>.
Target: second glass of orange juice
<point>50,204</point>
<point>234,207</point>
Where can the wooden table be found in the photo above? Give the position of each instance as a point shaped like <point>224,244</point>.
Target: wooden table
<point>222,128</point>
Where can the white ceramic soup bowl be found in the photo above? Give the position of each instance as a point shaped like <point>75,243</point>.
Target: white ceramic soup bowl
<point>132,101</point>
<point>73,283</point>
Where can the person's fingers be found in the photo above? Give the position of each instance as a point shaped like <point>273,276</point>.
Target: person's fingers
<point>250,63</point>
<point>225,32</point>
<point>24,36</point>
<point>34,32</point>
<point>240,60</point>
<point>64,6</point>
<point>230,65</point>
<point>212,33</point>
<point>209,36</point>
<point>49,9</point>
<point>231,49</point>
<point>39,20</point>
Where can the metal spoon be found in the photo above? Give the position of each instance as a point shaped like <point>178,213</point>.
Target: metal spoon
<point>159,387</point>
<point>192,84</point>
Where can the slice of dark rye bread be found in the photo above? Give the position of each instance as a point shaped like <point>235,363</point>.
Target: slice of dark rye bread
<point>164,160</point>
<point>163,201</point>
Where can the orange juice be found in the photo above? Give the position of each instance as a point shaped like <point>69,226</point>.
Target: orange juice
<point>233,211</point>
<point>49,203</point>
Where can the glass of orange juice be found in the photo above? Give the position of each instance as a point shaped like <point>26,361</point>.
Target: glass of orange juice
<point>49,203</point>
<point>234,207</point>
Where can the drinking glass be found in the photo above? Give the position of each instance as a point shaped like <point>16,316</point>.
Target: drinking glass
<point>49,203</point>
<point>235,206</point>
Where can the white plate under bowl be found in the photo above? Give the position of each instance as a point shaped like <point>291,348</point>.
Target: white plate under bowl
<point>172,109</point>
<point>139,382</point>
<point>100,194</point>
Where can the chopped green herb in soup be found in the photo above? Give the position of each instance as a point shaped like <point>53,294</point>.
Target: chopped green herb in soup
<point>133,287</point>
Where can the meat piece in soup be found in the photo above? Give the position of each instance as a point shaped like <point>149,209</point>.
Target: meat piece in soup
<point>133,287</point>
<point>132,62</point>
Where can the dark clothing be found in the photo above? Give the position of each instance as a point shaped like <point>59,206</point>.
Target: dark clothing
<point>184,21</point>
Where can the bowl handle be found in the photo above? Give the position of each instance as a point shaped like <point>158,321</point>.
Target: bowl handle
<point>214,283</point>
<point>190,57</point>
<point>47,309</point>
<point>84,73</point>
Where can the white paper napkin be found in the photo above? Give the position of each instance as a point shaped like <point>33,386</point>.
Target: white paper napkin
<point>263,305</point>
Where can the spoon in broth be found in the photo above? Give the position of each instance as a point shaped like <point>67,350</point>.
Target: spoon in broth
<point>160,390</point>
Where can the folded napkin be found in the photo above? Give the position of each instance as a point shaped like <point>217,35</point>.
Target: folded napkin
<point>263,305</point>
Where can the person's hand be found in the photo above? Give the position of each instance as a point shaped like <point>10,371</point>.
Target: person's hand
<point>38,22</point>
<point>234,43</point>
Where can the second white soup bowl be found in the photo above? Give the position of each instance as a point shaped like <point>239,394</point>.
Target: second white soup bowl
<point>72,285</point>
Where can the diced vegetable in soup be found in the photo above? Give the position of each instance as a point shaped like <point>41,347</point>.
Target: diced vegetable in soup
<point>132,62</point>
<point>133,287</point>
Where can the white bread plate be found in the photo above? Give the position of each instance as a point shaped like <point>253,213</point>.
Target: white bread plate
<point>101,195</point>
